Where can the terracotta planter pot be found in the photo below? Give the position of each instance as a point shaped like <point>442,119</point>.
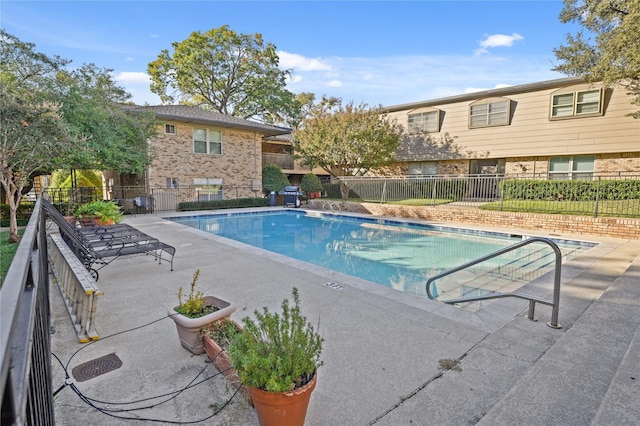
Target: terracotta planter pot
<point>220,359</point>
<point>189,328</point>
<point>282,408</point>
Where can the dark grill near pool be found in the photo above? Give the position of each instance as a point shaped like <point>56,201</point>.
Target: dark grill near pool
<point>291,195</point>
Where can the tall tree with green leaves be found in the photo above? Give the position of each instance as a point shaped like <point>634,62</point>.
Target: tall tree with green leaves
<point>110,134</point>
<point>609,51</point>
<point>346,140</point>
<point>53,117</point>
<point>33,134</point>
<point>231,73</point>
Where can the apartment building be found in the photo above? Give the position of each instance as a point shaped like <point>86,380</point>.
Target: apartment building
<point>558,129</point>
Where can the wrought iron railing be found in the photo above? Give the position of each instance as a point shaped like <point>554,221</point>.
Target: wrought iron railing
<point>25,346</point>
<point>602,195</point>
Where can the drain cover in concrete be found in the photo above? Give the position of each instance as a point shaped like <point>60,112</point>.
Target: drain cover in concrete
<point>96,367</point>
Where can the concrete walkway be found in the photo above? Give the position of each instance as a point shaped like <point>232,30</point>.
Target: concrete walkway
<point>382,347</point>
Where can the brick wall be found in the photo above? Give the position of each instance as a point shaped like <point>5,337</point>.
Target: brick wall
<point>173,157</point>
<point>549,223</point>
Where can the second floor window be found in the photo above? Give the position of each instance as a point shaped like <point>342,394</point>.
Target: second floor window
<point>489,114</point>
<point>207,141</point>
<point>423,122</point>
<point>575,104</point>
<point>170,129</point>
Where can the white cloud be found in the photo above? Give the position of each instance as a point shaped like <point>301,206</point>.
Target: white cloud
<point>133,77</point>
<point>137,84</point>
<point>393,80</point>
<point>300,63</point>
<point>294,79</point>
<point>497,40</point>
<point>129,59</point>
<point>482,89</point>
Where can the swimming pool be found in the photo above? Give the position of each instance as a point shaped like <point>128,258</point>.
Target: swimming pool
<point>392,253</point>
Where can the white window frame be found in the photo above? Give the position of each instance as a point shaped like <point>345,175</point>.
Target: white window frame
<point>209,189</point>
<point>573,104</point>
<point>495,112</point>
<point>170,129</point>
<point>417,168</point>
<point>572,171</point>
<point>173,182</point>
<point>427,121</point>
<point>209,142</point>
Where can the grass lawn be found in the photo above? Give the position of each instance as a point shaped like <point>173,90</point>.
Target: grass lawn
<point>407,202</point>
<point>622,208</point>
<point>7,251</point>
<point>421,202</point>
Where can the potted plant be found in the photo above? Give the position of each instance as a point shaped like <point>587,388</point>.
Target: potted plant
<point>102,212</point>
<point>215,338</point>
<point>276,356</point>
<point>311,185</point>
<point>196,311</point>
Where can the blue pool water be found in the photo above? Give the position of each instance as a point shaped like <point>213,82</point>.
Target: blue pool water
<point>392,253</point>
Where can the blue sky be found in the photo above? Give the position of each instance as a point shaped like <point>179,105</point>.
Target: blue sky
<point>374,52</point>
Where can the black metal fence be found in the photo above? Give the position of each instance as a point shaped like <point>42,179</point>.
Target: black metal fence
<point>140,199</point>
<point>603,195</point>
<point>25,380</point>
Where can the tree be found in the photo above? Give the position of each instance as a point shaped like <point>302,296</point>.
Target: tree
<point>31,138</point>
<point>346,140</point>
<point>54,118</point>
<point>33,135</point>
<point>235,74</point>
<point>613,55</point>
<point>110,135</point>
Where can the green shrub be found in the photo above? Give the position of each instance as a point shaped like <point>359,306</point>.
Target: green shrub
<point>23,214</point>
<point>194,305</point>
<point>276,352</point>
<point>273,179</point>
<point>103,210</point>
<point>571,190</point>
<point>310,183</point>
<point>223,204</point>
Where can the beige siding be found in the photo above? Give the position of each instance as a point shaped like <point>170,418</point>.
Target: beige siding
<point>532,133</point>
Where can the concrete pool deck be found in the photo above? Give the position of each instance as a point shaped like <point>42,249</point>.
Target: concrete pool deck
<point>382,347</point>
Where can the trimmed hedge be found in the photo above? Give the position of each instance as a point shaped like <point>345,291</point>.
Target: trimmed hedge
<point>223,204</point>
<point>571,190</point>
<point>23,214</point>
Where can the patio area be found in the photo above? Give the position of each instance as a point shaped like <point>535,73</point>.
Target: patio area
<point>382,347</point>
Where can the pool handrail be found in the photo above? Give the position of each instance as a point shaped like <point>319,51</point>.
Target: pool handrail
<point>555,304</point>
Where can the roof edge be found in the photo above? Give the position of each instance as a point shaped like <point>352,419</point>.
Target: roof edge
<point>487,93</point>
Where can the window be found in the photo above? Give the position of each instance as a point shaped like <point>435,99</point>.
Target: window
<point>172,182</point>
<point>579,167</point>
<point>575,104</point>
<point>424,122</point>
<point>489,114</point>
<point>207,141</point>
<point>423,168</point>
<point>170,129</point>
<point>208,189</point>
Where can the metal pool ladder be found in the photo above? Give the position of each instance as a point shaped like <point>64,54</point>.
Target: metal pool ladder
<point>555,304</point>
